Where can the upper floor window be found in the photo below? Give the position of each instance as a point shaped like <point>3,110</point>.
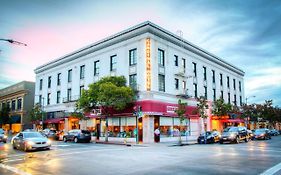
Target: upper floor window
<point>240,100</point>
<point>58,96</point>
<point>81,90</point>
<point>235,100</point>
<point>41,84</point>
<point>240,87</point>
<point>176,60</point>
<point>19,105</point>
<point>221,94</point>
<point>96,67</point>
<point>13,105</point>
<point>228,98</point>
<point>48,98</point>
<point>195,90</point>
<point>69,76</point>
<point>176,83</point>
<point>161,58</point>
<point>214,76</point>
<point>205,73</point>
<point>133,81</point>
<point>82,72</point>
<point>161,82</point>
<point>205,92</point>
<point>40,100</point>
<point>214,94</point>
<point>113,62</point>
<point>49,81</point>
<point>69,94</point>
<point>183,63</point>
<point>221,79</point>
<point>234,84</point>
<point>132,57</point>
<point>227,81</point>
<point>184,85</point>
<point>194,69</point>
<point>59,79</point>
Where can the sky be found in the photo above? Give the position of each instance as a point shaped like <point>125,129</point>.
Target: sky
<point>246,34</point>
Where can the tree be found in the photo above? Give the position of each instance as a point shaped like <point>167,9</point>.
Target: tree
<point>202,107</point>
<point>220,108</point>
<point>181,114</point>
<point>108,94</point>
<point>4,115</point>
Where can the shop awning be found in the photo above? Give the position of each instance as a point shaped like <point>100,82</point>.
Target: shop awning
<point>54,120</point>
<point>237,120</point>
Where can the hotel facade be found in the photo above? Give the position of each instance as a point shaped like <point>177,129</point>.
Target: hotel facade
<point>162,66</point>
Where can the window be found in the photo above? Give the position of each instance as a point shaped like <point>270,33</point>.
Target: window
<point>222,94</point>
<point>82,72</point>
<point>214,95</point>
<point>81,90</point>
<point>176,60</point>
<point>161,59</point>
<point>132,57</point>
<point>205,92</point>
<point>40,100</point>
<point>176,83</point>
<point>234,84</point>
<point>221,79</point>
<point>161,82</point>
<point>96,68</point>
<point>235,101</point>
<point>69,75</point>
<point>213,75</point>
<point>49,81</point>
<point>240,88</point>
<point>59,79</point>
<point>48,98</point>
<point>113,62</point>
<point>205,73</point>
<point>240,100</point>
<point>183,63</point>
<point>227,80</point>
<point>13,105</point>
<point>195,89</point>
<point>69,94</point>
<point>19,105</point>
<point>58,96</point>
<point>133,81</point>
<point>41,84</point>
<point>228,98</point>
<point>194,69</point>
<point>184,85</point>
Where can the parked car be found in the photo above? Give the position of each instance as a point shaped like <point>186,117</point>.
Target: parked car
<point>209,136</point>
<point>234,135</point>
<point>262,133</point>
<point>3,136</point>
<point>77,135</point>
<point>30,141</point>
<point>51,134</point>
<point>251,134</point>
<point>274,132</point>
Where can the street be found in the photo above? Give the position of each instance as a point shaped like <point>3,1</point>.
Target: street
<point>254,157</point>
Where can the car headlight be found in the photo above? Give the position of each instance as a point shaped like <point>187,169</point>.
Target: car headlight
<point>5,136</point>
<point>49,142</point>
<point>232,135</point>
<point>262,135</point>
<point>30,143</point>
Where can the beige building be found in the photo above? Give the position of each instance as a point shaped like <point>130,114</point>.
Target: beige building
<point>20,99</point>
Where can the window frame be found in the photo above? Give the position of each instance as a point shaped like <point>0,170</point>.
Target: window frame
<point>113,64</point>
<point>69,76</point>
<point>133,57</point>
<point>161,83</point>
<point>82,72</point>
<point>161,58</point>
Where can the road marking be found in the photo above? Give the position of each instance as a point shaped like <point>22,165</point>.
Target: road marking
<point>13,169</point>
<point>272,170</point>
<point>12,160</point>
<point>60,145</point>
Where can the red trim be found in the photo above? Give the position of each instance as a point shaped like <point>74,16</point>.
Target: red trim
<point>54,120</point>
<point>238,120</point>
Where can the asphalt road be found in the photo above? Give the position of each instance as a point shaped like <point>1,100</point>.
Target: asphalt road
<point>254,157</point>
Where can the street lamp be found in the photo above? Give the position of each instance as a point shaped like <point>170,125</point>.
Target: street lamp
<point>253,96</point>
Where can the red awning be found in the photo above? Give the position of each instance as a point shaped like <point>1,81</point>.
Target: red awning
<point>54,120</point>
<point>237,120</point>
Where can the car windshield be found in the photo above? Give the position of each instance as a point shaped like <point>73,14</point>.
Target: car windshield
<point>231,129</point>
<point>32,135</point>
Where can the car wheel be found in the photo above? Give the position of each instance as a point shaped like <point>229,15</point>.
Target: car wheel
<point>76,140</point>
<point>246,139</point>
<point>14,146</point>
<point>25,148</point>
<point>237,140</point>
<point>64,139</point>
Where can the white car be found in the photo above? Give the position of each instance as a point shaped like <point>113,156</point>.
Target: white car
<point>30,141</point>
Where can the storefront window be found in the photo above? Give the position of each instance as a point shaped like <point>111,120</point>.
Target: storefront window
<point>170,127</point>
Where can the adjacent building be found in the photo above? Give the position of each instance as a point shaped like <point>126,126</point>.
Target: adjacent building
<point>162,66</point>
<point>19,98</point>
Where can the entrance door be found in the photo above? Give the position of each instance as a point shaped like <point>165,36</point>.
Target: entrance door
<point>156,129</point>
<point>98,128</point>
<point>140,129</point>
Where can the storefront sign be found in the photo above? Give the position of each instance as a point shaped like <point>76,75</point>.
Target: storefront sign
<point>171,109</point>
<point>148,65</point>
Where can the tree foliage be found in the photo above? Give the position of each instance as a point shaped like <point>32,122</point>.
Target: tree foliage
<point>180,112</point>
<point>4,114</point>
<point>220,108</point>
<point>202,106</point>
<point>36,113</point>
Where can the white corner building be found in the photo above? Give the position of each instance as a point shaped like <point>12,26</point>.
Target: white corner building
<point>162,66</point>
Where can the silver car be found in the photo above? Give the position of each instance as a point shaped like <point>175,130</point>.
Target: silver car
<point>30,141</point>
<point>3,136</point>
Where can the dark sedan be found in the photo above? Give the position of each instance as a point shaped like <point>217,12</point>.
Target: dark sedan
<point>209,137</point>
<point>77,135</point>
<point>262,133</point>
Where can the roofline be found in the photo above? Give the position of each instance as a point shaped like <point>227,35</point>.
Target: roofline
<point>153,29</point>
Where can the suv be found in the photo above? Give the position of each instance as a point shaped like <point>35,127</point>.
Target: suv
<point>77,135</point>
<point>234,135</point>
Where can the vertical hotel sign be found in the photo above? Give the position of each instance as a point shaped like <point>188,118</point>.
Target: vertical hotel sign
<point>148,65</point>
